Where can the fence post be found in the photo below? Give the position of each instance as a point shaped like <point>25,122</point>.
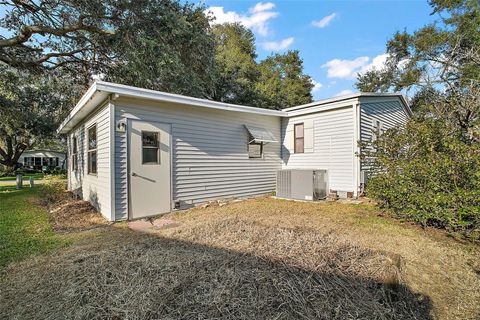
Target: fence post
<point>19,181</point>
<point>31,182</point>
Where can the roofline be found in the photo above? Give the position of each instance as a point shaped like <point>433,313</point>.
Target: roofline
<point>349,97</point>
<point>37,150</point>
<point>135,92</point>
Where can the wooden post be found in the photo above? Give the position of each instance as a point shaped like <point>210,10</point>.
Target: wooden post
<point>19,181</point>
<point>31,182</point>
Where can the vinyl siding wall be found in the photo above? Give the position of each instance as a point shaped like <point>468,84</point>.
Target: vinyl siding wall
<point>389,111</point>
<point>333,145</point>
<point>209,152</point>
<point>95,188</point>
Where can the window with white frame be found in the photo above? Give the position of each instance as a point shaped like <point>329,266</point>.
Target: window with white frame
<point>255,149</point>
<point>92,150</point>
<point>74,154</point>
<point>377,129</point>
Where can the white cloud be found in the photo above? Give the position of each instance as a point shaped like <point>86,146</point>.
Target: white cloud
<point>259,7</point>
<point>278,45</point>
<point>348,69</point>
<point>316,86</point>
<point>345,69</point>
<point>325,21</point>
<point>256,19</point>
<point>344,93</point>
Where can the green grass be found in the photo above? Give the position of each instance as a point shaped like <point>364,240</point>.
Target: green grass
<point>36,176</point>
<point>24,226</point>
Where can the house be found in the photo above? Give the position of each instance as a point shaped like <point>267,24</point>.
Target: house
<point>42,159</point>
<point>136,152</point>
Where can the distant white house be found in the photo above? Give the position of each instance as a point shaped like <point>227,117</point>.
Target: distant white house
<point>136,152</point>
<point>41,159</point>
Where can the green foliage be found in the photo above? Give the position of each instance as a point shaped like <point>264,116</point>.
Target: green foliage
<point>236,68</point>
<point>276,82</point>
<point>31,107</point>
<point>163,45</point>
<point>425,173</point>
<point>282,83</point>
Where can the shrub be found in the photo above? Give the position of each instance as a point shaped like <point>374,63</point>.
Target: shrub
<point>52,188</point>
<point>427,173</point>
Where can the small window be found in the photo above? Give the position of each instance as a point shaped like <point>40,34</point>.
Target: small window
<point>255,149</point>
<point>377,129</point>
<point>299,138</point>
<point>92,150</point>
<point>74,154</point>
<point>150,147</point>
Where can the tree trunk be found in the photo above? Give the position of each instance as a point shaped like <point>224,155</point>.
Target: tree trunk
<point>10,156</point>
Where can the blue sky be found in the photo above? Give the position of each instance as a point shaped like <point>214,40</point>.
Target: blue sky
<point>336,39</point>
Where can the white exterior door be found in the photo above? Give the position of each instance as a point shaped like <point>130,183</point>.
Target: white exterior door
<point>149,166</point>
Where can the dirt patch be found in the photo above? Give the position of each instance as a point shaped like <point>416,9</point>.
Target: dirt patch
<point>67,214</point>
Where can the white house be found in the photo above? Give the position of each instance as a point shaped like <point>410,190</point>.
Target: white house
<point>41,158</point>
<point>136,152</point>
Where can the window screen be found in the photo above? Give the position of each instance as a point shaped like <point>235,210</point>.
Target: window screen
<point>150,147</point>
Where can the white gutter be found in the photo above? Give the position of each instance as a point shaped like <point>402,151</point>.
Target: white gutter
<point>101,87</point>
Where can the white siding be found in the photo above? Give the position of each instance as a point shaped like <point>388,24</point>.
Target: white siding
<point>333,146</point>
<point>95,188</point>
<point>389,111</point>
<point>209,152</point>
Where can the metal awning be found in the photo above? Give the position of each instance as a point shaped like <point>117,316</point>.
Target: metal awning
<point>260,134</point>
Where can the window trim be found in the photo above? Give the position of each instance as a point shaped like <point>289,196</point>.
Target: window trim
<point>252,142</point>
<point>159,160</point>
<point>74,161</point>
<point>295,138</point>
<point>89,151</point>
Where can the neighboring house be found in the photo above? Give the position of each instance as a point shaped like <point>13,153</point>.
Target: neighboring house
<point>136,152</point>
<point>42,159</point>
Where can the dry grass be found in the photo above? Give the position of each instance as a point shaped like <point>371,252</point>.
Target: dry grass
<point>67,214</point>
<point>257,259</point>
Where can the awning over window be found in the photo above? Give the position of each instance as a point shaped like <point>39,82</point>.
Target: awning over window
<point>260,134</point>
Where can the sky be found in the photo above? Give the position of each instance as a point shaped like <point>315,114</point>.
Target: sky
<point>336,39</point>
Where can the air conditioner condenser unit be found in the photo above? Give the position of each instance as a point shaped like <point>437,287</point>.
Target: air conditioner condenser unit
<point>302,184</point>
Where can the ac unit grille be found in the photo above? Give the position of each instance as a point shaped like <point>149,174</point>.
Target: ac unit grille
<point>302,184</point>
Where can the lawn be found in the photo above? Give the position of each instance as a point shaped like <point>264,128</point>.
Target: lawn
<point>36,176</point>
<point>261,258</point>
<point>24,226</point>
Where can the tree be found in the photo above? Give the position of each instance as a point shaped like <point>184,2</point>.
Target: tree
<point>236,70</point>
<point>439,64</point>
<point>30,108</point>
<point>429,170</point>
<point>282,82</point>
<point>164,45</point>
<point>49,34</point>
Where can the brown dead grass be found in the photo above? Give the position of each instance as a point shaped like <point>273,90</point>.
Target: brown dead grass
<point>433,264</point>
<point>256,259</point>
<point>67,214</point>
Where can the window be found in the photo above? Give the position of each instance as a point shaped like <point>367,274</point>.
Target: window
<point>255,149</point>
<point>74,154</point>
<point>299,138</point>
<point>92,150</point>
<point>150,147</point>
<point>377,129</point>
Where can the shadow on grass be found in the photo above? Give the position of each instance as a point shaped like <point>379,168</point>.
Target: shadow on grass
<point>127,275</point>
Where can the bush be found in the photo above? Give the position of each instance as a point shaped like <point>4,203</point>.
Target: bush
<point>52,188</point>
<point>427,173</point>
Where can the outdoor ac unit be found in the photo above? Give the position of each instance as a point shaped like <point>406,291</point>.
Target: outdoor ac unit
<point>302,184</point>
